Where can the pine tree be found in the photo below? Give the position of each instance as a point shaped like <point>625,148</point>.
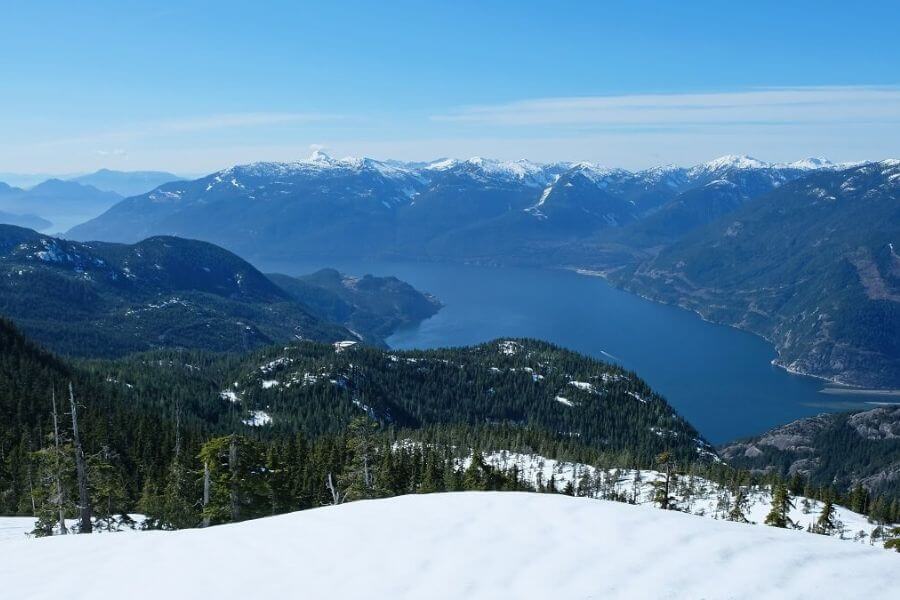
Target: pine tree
<point>237,479</point>
<point>151,504</point>
<point>474,475</point>
<point>825,524</point>
<point>453,479</point>
<point>432,475</point>
<point>388,483</point>
<point>859,499</point>
<point>737,513</point>
<point>551,484</point>
<point>586,484</point>
<point>359,477</point>
<point>53,467</point>
<point>179,497</point>
<point>278,481</point>
<point>107,488</point>
<point>779,515</point>
<point>663,494</point>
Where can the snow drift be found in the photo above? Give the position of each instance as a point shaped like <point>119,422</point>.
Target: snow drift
<point>462,545</point>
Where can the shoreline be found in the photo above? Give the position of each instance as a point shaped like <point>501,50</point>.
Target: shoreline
<point>843,388</point>
<point>878,393</point>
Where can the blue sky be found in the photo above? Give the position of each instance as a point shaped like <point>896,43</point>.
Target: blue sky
<point>195,86</point>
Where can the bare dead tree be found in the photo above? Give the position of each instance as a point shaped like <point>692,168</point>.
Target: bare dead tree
<point>60,497</point>
<point>232,468</point>
<point>31,490</point>
<point>206,487</point>
<point>84,500</point>
<point>336,496</point>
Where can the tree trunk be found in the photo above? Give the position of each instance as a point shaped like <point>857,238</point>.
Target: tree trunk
<point>367,477</point>
<point>60,498</point>
<point>232,467</point>
<point>335,494</point>
<point>31,490</point>
<point>84,500</point>
<point>177,429</point>
<point>205,493</point>
<point>665,503</point>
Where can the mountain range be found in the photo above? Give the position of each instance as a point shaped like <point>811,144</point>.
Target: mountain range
<point>62,203</point>
<point>125,183</point>
<point>814,270</point>
<point>66,201</point>
<point>450,209</point>
<point>811,266</point>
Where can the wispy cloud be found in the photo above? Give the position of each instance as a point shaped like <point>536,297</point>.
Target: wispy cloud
<point>113,152</point>
<point>226,121</point>
<point>193,124</point>
<point>787,106</point>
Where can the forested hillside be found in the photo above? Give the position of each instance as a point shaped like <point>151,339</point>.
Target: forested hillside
<point>144,416</point>
<point>190,438</point>
<point>812,266</point>
<point>373,307</point>
<point>847,450</point>
<point>97,299</point>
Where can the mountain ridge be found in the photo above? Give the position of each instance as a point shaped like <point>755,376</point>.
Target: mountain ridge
<point>107,299</point>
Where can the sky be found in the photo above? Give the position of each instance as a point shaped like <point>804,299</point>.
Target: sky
<point>195,86</point>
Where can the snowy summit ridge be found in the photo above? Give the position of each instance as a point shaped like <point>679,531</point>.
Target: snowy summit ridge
<point>486,169</point>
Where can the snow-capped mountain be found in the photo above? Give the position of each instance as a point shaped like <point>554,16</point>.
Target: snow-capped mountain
<point>754,177</point>
<point>811,163</point>
<point>732,161</point>
<point>489,171</point>
<point>808,265</point>
<point>361,206</point>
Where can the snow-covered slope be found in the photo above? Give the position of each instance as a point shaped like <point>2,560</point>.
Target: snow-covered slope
<point>463,545</point>
<point>693,495</point>
<point>20,528</point>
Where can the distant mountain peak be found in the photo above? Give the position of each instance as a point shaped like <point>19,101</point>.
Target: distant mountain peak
<point>320,157</point>
<point>810,163</point>
<point>597,171</point>
<point>734,161</point>
<point>521,170</point>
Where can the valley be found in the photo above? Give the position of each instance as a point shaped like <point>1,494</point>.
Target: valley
<point>712,238</point>
<point>451,301</point>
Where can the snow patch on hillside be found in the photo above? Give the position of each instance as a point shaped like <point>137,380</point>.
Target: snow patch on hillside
<point>693,495</point>
<point>258,418</point>
<point>509,347</point>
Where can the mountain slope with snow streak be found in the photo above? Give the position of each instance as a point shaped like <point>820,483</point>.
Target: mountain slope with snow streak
<point>463,545</point>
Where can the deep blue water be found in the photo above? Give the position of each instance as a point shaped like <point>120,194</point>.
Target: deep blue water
<point>719,378</point>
